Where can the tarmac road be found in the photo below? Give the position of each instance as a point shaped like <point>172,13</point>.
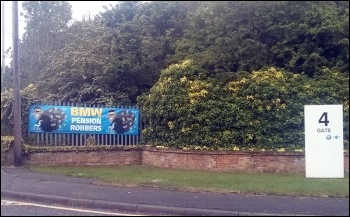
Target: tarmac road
<point>29,208</point>
<point>23,184</point>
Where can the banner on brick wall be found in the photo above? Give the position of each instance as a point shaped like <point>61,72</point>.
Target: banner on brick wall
<point>85,120</point>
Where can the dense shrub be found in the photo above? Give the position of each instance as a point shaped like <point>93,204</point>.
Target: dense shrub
<point>263,110</point>
<point>184,108</point>
<point>273,104</point>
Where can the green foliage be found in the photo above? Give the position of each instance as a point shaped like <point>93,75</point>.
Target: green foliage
<point>45,32</point>
<point>28,149</point>
<point>237,36</point>
<point>273,104</point>
<point>185,109</point>
<point>316,34</point>
<point>119,55</point>
<point>109,60</point>
<point>258,111</point>
<point>7,76</point>
<point>85,71</point>
<point>6,143</point>
<point>144,37</point>
<point>28,96</point>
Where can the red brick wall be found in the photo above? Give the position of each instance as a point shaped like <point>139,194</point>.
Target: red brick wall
<point>85,158</point>
<point>293,162</point>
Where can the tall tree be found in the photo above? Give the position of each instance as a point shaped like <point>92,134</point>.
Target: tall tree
<point>301,37</point>
<point>145,34</point>
<point>46,24</point>
<point>85,71</point>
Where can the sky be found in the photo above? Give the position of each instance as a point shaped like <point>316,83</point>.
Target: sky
<point>79,9</point>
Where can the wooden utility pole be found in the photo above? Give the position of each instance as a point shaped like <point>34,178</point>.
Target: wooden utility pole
<point>2,42</point>
<point>16,90</point>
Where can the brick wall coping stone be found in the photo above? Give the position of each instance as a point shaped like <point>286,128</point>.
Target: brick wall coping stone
<point>227,152</point>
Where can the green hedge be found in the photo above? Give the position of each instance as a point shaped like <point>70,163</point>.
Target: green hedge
<point>188,108</point>
<point>258,111</point>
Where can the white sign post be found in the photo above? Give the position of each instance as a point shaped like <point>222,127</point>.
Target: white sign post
<point>324,154</point>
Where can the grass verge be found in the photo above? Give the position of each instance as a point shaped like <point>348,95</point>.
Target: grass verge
<point>223,182</point>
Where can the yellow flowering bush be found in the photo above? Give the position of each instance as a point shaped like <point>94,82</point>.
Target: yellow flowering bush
<point>262,110</point>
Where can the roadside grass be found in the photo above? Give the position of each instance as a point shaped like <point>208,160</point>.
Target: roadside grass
<point>210,181</point>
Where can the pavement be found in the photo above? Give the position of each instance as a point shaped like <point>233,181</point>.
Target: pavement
<point>21,183</point>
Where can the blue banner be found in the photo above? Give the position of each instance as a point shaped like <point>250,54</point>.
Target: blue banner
<point>86,120</point>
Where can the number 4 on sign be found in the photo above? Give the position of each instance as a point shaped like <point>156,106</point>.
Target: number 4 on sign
<point>324,119</point>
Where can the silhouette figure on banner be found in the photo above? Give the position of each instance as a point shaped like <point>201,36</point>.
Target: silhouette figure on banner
<point>50,119</point>
<point>122,121</point>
